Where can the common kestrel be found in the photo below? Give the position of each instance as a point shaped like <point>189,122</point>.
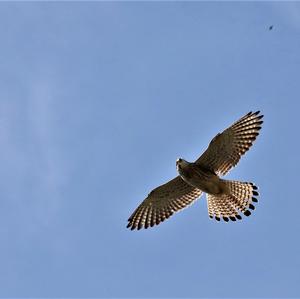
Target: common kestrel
<point>225,199</point>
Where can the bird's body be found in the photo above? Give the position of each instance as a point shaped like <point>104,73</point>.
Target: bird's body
<point>225,199</point>
<point>200,177</point>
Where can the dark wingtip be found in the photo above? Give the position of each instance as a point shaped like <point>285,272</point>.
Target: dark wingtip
<point>255,193</point>
<point>225,219</point>
<point>251,207</point>
<point>239,217</point>
<point>257,112</point>
<point>217,218</point>
<point>254,199</point>
<point>232,218</point>
<point>247,213</point>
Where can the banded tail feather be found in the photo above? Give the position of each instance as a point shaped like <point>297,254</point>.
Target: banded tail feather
<point>239,200</point>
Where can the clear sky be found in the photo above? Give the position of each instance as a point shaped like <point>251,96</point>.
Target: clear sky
<point>97,100</point>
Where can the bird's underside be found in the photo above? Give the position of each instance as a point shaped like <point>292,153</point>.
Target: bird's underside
<point>226,200</point>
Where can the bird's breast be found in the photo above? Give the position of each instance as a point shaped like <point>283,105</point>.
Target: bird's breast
<point>202,179</point>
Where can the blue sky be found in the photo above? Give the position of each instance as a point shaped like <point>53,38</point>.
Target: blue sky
<point>97,100</point>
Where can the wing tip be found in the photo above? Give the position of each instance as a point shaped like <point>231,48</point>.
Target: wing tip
<point>256,113</point>
<point>251,207</point>
<point>247,213</point>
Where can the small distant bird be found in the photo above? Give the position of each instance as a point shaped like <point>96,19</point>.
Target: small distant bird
<point>226,199</point>
<point>271,27</point>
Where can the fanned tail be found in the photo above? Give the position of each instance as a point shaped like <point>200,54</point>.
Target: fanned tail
<point>239,200</point>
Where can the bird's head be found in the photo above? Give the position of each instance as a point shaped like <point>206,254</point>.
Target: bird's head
<point>180,163</point>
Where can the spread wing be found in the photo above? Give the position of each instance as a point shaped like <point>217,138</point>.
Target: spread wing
<point>163,202</point>
<point>226,149</point>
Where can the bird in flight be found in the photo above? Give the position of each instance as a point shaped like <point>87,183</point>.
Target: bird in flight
<point>226,199</point>
<point>271,27</point>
